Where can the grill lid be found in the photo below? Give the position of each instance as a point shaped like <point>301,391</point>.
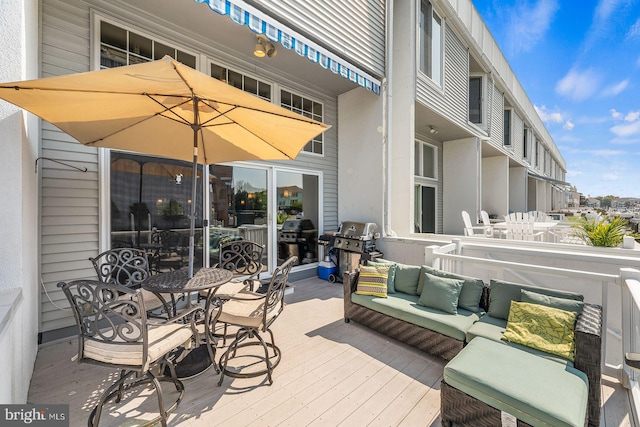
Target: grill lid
<point>358,230</point>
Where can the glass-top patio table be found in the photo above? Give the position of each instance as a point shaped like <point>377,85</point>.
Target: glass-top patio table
<point>201,357</point>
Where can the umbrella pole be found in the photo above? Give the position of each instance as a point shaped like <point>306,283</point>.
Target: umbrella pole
<point>192,223</point>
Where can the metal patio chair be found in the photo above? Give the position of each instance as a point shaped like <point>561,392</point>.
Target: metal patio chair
<point>128,267</point>
<point>113,331</point>
<point>254,313</point>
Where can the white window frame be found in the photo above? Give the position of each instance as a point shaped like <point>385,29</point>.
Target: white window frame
<point>244,75</point>
<point>419,183</point>
<point>439,78</point>
<point>483,98</point>
<point>526,141</point>
<point>278,101</point>
<point>507,140</point>
<point>419,157</point>
<point>96,42</point>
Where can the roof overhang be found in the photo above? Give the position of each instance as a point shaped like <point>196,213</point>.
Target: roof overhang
<point>276,32</point>
<point>562,184</point>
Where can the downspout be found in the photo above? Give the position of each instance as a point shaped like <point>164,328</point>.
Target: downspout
<point>386,120</point>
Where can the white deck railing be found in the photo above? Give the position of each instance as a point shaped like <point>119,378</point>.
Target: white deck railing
<point>449,258</point>
<point>631,333</point>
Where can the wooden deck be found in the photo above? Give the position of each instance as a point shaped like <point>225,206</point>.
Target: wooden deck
<point>331,374</point>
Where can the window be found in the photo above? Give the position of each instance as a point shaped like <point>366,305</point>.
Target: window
<point>537,154</point>
<point>248,84</point>
<point>307,108</point>
<point>430,42</point>
<point>525,143</point>
<point>476,95</point>
<point>119,46</point>
<point>425,209</point>
<point>425,160</point>
<point>507,128</point>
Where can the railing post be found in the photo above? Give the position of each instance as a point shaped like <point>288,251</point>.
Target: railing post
<point>629,319</point>
<point>430,258</point>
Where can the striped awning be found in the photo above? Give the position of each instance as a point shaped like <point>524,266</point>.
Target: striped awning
<point>244,14</point>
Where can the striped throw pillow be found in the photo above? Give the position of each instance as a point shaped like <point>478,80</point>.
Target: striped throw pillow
<point>373,281</point>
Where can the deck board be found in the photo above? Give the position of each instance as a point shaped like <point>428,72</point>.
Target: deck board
<point>331,374</point>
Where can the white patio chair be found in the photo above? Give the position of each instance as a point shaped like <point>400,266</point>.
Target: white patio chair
<point>491,231</point>
<point>520,226</point>
<point>474,230</point>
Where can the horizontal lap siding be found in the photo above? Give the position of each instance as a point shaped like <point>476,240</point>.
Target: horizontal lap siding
<point>352,29</point>
<point>451,103</point>
<point>69,198</point>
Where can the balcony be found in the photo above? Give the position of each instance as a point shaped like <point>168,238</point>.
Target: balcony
<point>337,373</point>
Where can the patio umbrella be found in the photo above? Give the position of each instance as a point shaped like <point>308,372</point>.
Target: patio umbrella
<point>168,109</point>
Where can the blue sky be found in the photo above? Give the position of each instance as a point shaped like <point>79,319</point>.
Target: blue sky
<point>579,62</point>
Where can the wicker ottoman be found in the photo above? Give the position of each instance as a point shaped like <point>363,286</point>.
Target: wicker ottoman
<point>488,377</point>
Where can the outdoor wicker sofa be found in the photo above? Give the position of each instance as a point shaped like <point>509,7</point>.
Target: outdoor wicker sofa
<point>392,316</point>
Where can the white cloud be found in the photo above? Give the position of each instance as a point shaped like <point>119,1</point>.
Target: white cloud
<point>610,176</point>
<point>632,116</point>
<point>626,129</point>
<point>615,114</point>
<point>568,125</point>
<point>615,89</point>
<point>578,85</point>
<point>572,174</point>
<point>547,115</point>
<point>634,31</point>
<point>528,24</point>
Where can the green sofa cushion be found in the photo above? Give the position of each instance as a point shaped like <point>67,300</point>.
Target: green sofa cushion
<point>502,293</point>
<point>493,328</point>
<point>471,289</point>
<point>553,302</point>
<point>407,277</point>
<point>405,307</point>
<point>440,293</point>
<point>533,389</point>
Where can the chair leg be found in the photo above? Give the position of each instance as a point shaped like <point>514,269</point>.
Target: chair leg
<point>116,388</point>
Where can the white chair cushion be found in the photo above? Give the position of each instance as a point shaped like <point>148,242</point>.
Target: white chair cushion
<point>162,339</point>
<point>245,313</point>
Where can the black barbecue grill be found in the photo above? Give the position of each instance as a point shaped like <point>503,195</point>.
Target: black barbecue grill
<point>353,243</point>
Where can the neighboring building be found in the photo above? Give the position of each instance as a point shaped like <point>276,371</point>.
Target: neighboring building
<point>427,120</point>
<point>592,203</point>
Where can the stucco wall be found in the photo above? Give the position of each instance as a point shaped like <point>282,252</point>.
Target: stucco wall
<point>19,208</point>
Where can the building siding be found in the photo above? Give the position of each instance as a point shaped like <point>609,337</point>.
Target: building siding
<point>452,101</point>
<point>70,199</point>
<point>352,29</point>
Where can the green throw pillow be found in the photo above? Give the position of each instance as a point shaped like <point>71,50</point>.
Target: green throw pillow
<point>373,281</point>
<point>544,328</point>
<point>440,293</point>
<point>471,289</point>
<point>406,280</point>
<point>502,293</point>
<point>549,301</point>
<point>392,272</point>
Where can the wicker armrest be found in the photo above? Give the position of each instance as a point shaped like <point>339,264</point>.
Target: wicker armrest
<point>589,355</point>
<point>349,281</point>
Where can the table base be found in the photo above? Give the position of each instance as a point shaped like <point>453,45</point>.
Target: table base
<point>194,363</point>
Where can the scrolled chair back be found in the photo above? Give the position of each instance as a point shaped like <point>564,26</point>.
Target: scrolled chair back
<point>242,257</point>
<point>122,266</point>
<point>107,314</point>
<point>274,298</point>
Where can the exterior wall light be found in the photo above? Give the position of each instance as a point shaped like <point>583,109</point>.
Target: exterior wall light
<point>433,130</point>
<point>264,47</point>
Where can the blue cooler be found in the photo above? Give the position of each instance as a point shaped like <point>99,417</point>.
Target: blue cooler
<point>325,269</point>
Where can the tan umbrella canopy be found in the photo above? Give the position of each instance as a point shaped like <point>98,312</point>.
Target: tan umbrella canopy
<point>167,109</point>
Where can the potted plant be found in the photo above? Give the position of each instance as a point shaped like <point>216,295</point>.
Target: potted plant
<point>601,231</point>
